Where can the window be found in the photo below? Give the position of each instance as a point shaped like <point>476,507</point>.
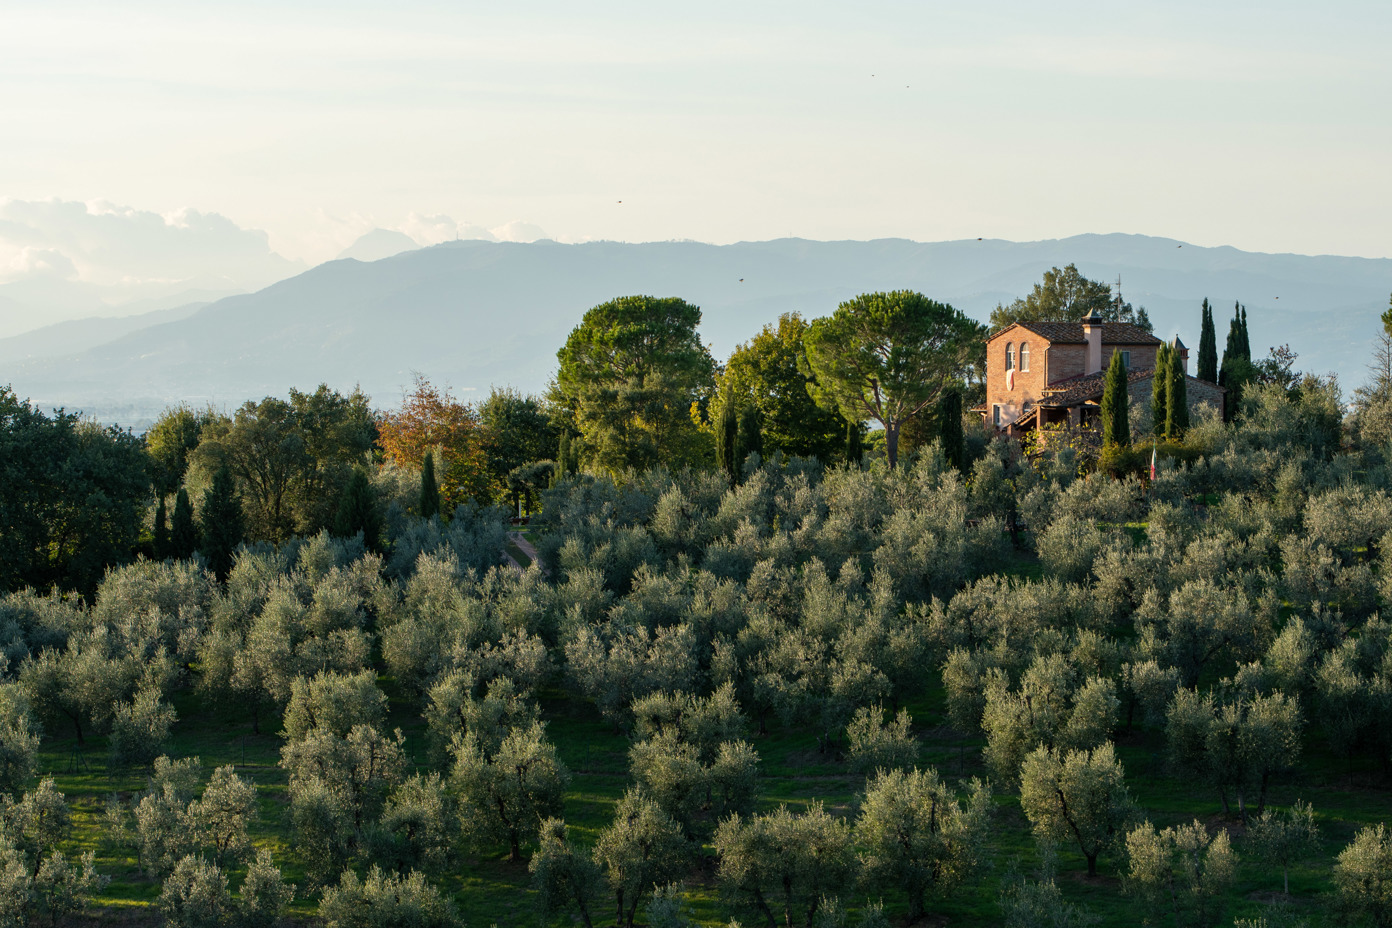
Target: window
<point>1009,356</point>
<point>1126,359</point>
<point>995,415</point>
<point>1024,356</point>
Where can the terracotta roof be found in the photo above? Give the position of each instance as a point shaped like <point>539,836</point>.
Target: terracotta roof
<point>1071,333</point>
<point>1026,412</point>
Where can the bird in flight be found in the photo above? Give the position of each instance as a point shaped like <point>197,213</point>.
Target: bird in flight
<point>742,281</point>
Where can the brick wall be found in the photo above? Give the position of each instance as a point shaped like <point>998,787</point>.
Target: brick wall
<point>1028,383</point>
<point>1066,361</point>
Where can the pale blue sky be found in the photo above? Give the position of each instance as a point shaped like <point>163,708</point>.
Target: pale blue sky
<point>1267,126</point>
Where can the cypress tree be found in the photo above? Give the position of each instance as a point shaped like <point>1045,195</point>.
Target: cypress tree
<point>1116,427</point>
<point>855,446</point>
<point>727,439</point>
<point>954,442</point>
<point>1160,391</point>
<point>1233,348</point>
<point>1177,413</point>
<point>751,433</point>
<point>222,523</point>
<point>430,491</point>
<point>1246,338</point>
<point>183,534</point>
<point>161,547</point>
<point>357,511</point>
<point>1208,346</point>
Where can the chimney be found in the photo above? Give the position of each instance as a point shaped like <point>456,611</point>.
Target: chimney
<point>1092,332</point>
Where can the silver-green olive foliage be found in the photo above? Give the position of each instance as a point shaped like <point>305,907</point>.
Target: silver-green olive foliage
<point>917,835</point>
<point>1183,869</point>
<point>889,357</point>
<point>1077,796</point>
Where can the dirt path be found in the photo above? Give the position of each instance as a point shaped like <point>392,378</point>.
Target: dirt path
<point>525,546</point>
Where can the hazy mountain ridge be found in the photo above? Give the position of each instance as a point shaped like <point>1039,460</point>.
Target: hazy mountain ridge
<point>473,314</point>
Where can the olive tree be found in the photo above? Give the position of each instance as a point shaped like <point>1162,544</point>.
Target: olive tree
<point>508,791</point>
<point>1076,796</point>
<point>917,836</point>
<point>565,877</point>
<point>1363,874</point>
<point>785,863</point>
<point>642,848</point>
<point>386,901</point>
<point>1283,838</point>
<point>1182,869</point>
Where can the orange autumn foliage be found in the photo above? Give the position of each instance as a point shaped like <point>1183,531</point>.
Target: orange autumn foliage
<point>433,419</point>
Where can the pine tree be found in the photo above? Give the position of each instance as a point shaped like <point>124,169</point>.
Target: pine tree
<point>1208,346</point>
<point>357,511</point>
<point>751,433</point>
<point>222,523</point>
<point>161,545</point>
<point>1160,391</point>
<point>183,534</point>
<point>954,442</point>
<point>727,439</point>
<point>1116,429</point>
<point>429,491</point>
<point>1177,408</point>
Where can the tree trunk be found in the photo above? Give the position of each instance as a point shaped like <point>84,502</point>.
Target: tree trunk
<point>915,905</point>
<point>892,444</point>
<point>763,906</point>
<point>618,919</point>
<point>1092,863</point>
<point>514,847</point>
<point>1285,877</point>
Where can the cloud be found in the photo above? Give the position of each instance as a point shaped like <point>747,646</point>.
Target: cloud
<point>130,249</point>
<point>432,230</point>
<point>519,231</point>
<point>40,262</point>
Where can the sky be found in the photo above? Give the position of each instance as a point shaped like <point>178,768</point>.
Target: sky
<point>237,141</point>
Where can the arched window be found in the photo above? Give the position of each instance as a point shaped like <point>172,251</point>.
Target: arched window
<point>1009,356</point>
<point>1024,356</point>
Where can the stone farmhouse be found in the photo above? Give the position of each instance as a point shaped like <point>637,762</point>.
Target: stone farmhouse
<point>1049,373</point>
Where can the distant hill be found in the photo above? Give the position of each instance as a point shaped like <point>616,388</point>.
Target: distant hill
<point>65,339</point>
<point>379,244</point>
<point>473,314</point>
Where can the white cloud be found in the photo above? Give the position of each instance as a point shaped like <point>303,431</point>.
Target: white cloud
<point>519,231</point>
<point>432,230</point>
<point>40,262</point>
<point>133,250</point>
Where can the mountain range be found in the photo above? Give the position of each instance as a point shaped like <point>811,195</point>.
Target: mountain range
<point>474,314</point>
